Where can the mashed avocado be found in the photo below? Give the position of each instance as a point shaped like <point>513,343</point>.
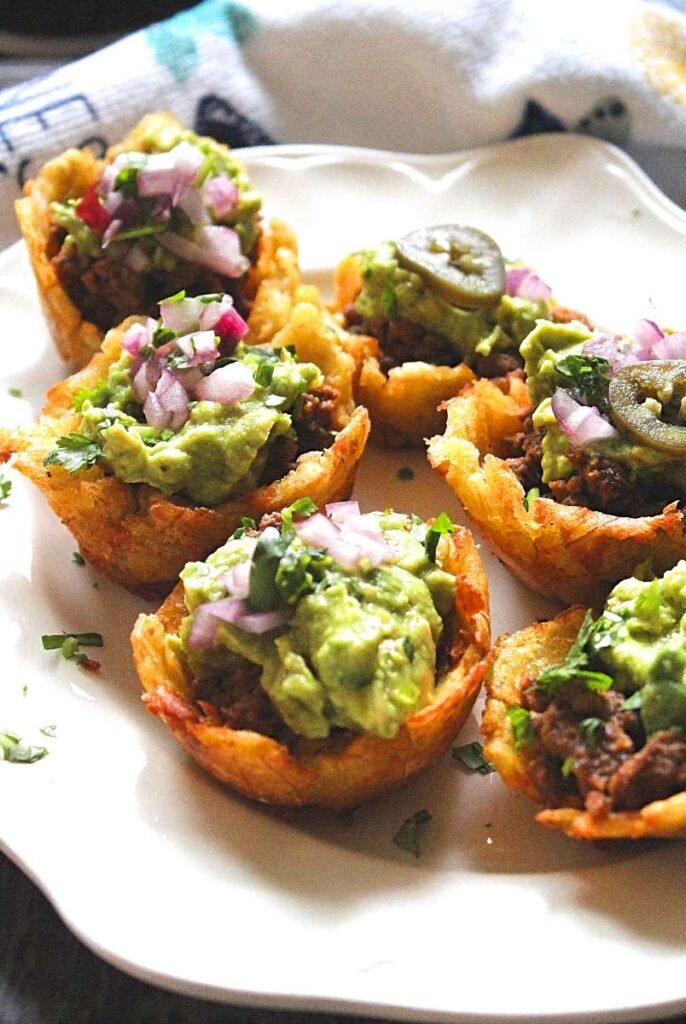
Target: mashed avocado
<point>644,645</point>
<point>390,290</point>
<point>542,350</point>
<point>221,449</point>
<point>357,646</point>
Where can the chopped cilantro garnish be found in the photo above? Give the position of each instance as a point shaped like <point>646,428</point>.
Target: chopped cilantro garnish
<point>567,767</point>
<point>442,524</point>
<point>98,396</point>
<point>5,487</point>
<point>408,648</point>
<point>591,730</point>
<point>405,473</point>
<point>471,756</point>
<point>522,726</point>
<point>70,643</point>
<point>263,595</point>
<point>77,558</point>
<point>633,702</point>
<point>246,524</point>
<point>75,452</point>
<point>576,664</point>
<point>585,377</point>
<point>15,392</point>
<point>12,749</point>
<point>303,508</point>
<point>534,492</point>
<point>408,835</point>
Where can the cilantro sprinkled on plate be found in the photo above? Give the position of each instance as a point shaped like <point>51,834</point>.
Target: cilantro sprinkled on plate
<point>408,836</point>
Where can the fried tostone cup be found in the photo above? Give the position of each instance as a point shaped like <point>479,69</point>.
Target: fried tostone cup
<point>271,282</point>
<point>516,660</point>
<point>348,768</point>
<point>569,553</point>
<point>404,403</point>
<point>135,534</point>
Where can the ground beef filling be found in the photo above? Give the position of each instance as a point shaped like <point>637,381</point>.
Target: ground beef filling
<point>314,431</point>
<point>401,341</point>
<point>595,482</point>
<point>108,290</point>
<point>591,753</point>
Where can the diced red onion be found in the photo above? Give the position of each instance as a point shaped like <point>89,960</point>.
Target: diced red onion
<point>181,315</point>
<point>110,232</point>
<point>190,201</point>
<point>338,511</point>
<point>523,283</point>
<point>112,201</point>
<point>137,336</point>
<point>647,332</point>
<point>220,194</point>
<point>670,346</point>
<point>222,317</point>
<point>213,246</point>
<point>159,176</point>
<point>317,530</point>
<point>209,617</point>
<point>582,424</point>
<point>167,406</point>
<point>198,347</point>
<point>261,622</point>
<point>227,384</point>
<point>237,579</point>
<point>362,524</point>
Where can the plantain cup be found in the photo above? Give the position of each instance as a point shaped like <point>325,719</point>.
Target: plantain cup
<point>267,290</point>
<point>141,538</point>
<point>516,660</point>
<point>567,552</point>
<point>347,768</point>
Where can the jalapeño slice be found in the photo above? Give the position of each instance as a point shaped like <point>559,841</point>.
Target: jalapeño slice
<point>630,392</point>
<point>461,264</point>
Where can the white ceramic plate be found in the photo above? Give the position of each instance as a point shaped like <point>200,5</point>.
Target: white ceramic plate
<point>177,881</point>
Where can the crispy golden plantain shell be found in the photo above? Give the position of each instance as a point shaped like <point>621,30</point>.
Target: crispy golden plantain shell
<point>272,282</point>
<point>518,658</point>
<point>347,769</point>
<point>403,404</point>
<point>564,551</point>
<point>136,535</point>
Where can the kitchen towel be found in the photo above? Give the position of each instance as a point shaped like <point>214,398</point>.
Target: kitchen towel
<point>389,74</point>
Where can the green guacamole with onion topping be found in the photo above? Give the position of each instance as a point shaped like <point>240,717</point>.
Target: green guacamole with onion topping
<point>177,413</point>
<point>349,647</point>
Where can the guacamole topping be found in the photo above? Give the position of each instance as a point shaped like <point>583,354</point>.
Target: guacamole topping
<point>391,290</point>
<point>342,613</point>
<point>184,198</point>
<point>569,369</point>
<point>188,408</point>
<point>637,646</point>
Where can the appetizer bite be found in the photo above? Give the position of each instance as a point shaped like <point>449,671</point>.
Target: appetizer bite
<point>577,474</point>
<point>587,715</point>
<point>320,658</point>
<point>428,313</point>
<point>165,210</point>
<point>177,429</point>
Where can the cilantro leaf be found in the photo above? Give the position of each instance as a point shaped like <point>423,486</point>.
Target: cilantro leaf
<point>442,524</point>
<point>633,702</point>
<point>522,726</point>
<point>586,377</point>
<point>12,749</point>
<point>567,767</point>
<point>70,646</point>
<point>15,392</point>
<point>98,396</point>
<point>591,730</point>
<point>576,664</point>
<point>408,836</point>
<point>77,558</point>
<point>5,487</point>
<point>74,452</point>
<point>471,756</point>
